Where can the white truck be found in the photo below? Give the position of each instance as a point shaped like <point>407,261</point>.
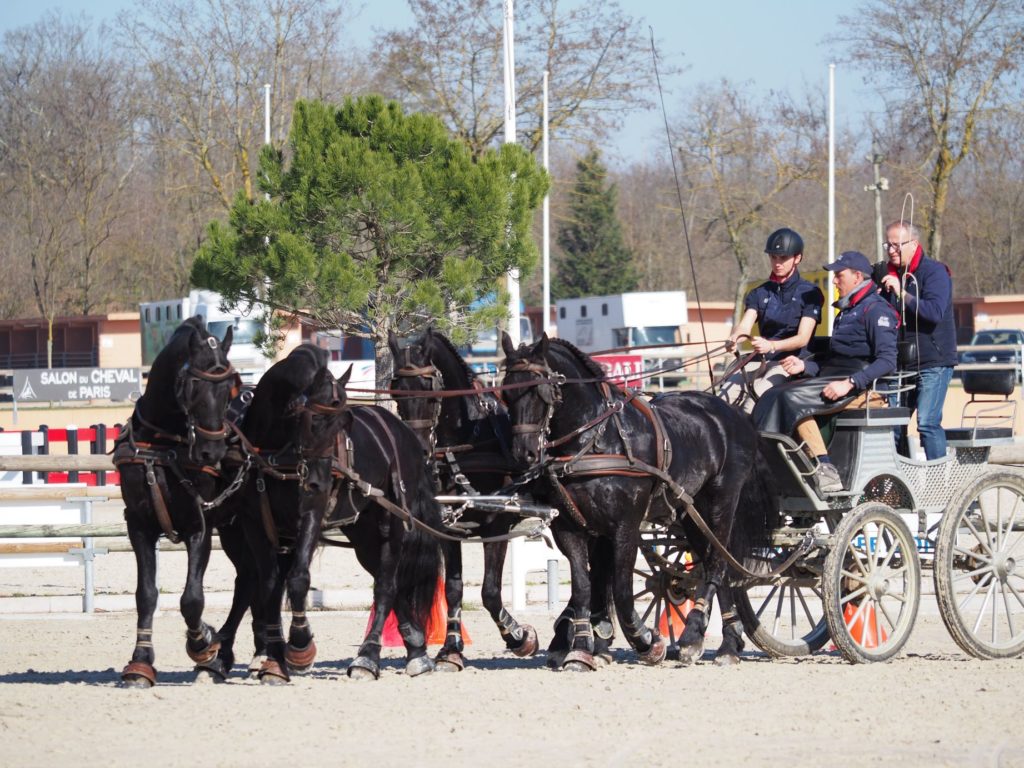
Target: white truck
<point>160,318</point>
<point>595,323</point>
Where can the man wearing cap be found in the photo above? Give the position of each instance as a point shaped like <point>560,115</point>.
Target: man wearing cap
<point>862,348</point>
<point>921,290</point>
<point>787,309</point>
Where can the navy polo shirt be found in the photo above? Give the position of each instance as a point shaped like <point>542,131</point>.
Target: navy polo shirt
<point>781,306</point>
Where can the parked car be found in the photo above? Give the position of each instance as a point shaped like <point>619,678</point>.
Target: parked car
<point>1011,342</point>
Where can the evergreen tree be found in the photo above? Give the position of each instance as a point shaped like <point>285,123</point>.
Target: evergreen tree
<point>595,261</point>
<point>378,221</point>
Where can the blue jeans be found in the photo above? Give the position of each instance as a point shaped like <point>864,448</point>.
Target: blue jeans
<point>927,398</point>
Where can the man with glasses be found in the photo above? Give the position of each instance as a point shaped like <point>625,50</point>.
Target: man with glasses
<point>921,290</point>
<point>787,309</point>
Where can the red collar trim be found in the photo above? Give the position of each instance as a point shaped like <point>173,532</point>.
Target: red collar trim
<point>914,263</point>
<point>859,295</point>
<point>782,280</point>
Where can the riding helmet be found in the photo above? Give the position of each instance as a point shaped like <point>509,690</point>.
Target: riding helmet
<point>784,242</point>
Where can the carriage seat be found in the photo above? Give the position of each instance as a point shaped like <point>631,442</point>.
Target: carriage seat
<point>988,417</point>
<point>873,417</point>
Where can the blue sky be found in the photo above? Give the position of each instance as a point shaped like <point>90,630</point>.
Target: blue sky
<point>775,44</point>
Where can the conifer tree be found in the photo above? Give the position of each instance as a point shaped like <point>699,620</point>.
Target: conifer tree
<point>594,259</point>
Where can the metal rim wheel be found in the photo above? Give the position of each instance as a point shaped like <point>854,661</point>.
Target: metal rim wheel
<point>872,584</point>
<point>668,579</point>
<point>979,566</point>
<point>787,617</point>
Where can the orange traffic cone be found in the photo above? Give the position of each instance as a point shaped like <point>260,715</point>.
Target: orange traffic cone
<point>862,628</point>
<point>677,615</point>
<point>437,623</point>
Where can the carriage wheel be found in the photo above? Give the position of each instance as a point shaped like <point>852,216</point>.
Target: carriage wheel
<point>872,584</point>
<point>786,617</point>
<point>979,566</point>
<point>668,582</point>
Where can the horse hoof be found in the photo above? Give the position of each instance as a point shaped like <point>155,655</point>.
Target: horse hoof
<point>555,659</point>
<point>528,645</point>
<point>271,673</point>
<point>253,671</point>
<point>213,672</point>
<point>655,654</point>
<point>726,660</point>
<point>419,666</point>
<point>203,655</point>
<point>688,654</point>
<point>450,662</point>
<point>300,660</point>
<point>138,674</point>
<point>362,668</point>
<point>579,661</point>
<point>603,659</point>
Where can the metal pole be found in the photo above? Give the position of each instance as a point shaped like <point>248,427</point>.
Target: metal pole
<point>266,113</point>
<point>881,184</point>
<point>510,138</point>
<point>545,323</point>
<point>552,586</point>
<point>831,184</point>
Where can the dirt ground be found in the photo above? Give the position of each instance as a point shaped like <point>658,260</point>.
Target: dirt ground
<point>60,703</point>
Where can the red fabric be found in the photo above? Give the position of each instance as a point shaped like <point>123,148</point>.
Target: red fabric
<point>437,626</point>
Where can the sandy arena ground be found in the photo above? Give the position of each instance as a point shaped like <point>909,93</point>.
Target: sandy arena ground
<point>60,703</point>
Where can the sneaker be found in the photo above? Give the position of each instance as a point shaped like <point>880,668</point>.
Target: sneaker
<point>828,478</point>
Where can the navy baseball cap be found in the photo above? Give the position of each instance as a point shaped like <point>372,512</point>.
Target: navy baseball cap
<point>851,260</point>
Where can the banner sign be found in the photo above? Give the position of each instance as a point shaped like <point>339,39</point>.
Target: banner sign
<point>61,384</point>
<point>620,367</point>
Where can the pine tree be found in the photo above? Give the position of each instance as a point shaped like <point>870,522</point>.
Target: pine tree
<point>594,261</point>
<point>379,221</point>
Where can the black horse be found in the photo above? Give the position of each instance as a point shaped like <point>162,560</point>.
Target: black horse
<point>611,461</point>
<point>468,442</point>
<point>168,456</point>
<point>324,465</point>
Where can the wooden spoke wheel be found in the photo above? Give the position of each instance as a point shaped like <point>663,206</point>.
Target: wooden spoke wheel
<point>669,579</point>
<point>979,566</point>
<point>785,617</point>
<point>872,584</point>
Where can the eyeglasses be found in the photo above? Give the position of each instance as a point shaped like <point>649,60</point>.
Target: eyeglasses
<point>889,246</point>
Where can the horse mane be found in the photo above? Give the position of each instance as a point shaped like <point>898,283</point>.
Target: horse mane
<point>447,344</point>
<point>584,359</point>
<point>277,387</point>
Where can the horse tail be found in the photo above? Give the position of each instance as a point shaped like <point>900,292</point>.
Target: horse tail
<point>757,513</point>
<point>420,563</point>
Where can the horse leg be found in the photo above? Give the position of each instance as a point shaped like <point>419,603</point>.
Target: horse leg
<point>201,641</point>
<point>373,557</point>
<point>301,650</point>
<point>732,630</point>
<point>580,657</point>
<point>601,567</point>
<point>274,670</point>
<point>521,639</point>
<point>233,541</point>
<point>450,658</point>
<point>649,645</point>
<point>140,673</point>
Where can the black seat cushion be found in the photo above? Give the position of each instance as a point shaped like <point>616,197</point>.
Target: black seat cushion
<point>988,382</point>
<point>962,434</point>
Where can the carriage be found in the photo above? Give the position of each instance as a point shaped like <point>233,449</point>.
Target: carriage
<point>847,566</point>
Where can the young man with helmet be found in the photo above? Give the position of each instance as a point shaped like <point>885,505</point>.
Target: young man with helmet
<point>787,309</point>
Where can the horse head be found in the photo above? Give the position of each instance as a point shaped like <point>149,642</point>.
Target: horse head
<point>417,375</point>
<point>532,391</point>
<point>323,413</point>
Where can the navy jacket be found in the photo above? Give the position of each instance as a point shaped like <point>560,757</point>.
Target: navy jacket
<point>781,306</point>
<point>863,344</point>
<point>927,311</point>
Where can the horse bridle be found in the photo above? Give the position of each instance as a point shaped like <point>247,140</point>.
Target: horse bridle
<point>549,390</point>
<point>184,395</point>
<point>432,374</point>
<point>306,412</point>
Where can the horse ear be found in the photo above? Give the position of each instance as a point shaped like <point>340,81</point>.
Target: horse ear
<point>541,347</point>
<point>393,344</point>
<point>343,379</point>
<point>225,343</point>
<point>506,344</point>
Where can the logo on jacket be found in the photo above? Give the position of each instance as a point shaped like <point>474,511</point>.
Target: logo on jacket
<point>883,321</point>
